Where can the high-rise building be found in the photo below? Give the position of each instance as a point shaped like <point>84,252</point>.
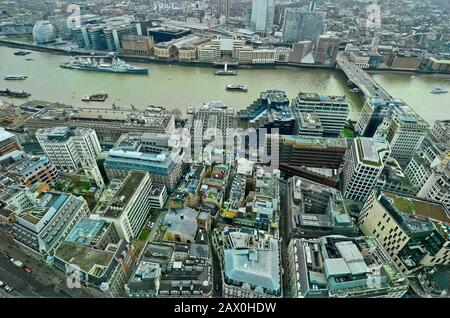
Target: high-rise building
<point>364,163</point>
<point>374,111</point>
<point>405,131</point>
<point>8,142</point>
<point>314,152</point>
<point>115,33</point>
<point>300,50</point>
<point>261,20</point>
<point>413,231</point>
<point>160,155</point>
<point>303,25</point>
<point>327,49</point>
<point>125,204</point>
<point>331,110</point>
<point>71,150</point>
<point>224,7</point>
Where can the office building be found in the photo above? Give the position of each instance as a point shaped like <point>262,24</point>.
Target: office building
<point>261,20</point>
<point>29,170</point>
<point>251,265</point>
<point>404,131</point>
<point>224,7</point>
<point>302,25</point>
<point>44,226</point>
<point>137,45</point>
<point>180,225</point>
<point>172,270</point>
<point>270,111</point>
<point>308,124</point>
<point>315,152</point>
<point>343,267</point>
<point>125,204</point>
<point>300,50</point>
<point>363,164</point>
<point>327,49</point>
<point>374,111</point>
<point>332,110</point>
<point>165,34</point>
<point>8,142</point>
<point>94,253</point>
<point>72,149</point>
<point>413,231</point>
<point>160,155</point>
<point>316,210</point>
<point>109,124</point>
<point>114,35</point>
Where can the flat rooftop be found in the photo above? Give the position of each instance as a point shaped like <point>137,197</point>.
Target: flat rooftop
<point>315,142</point>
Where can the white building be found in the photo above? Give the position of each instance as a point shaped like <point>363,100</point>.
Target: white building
<point>126,205</point>
<point>72,149</point>
<point>44,226</point>
<point>364,163</point>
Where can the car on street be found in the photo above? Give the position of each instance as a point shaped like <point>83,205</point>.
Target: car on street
<point>2,284</point>
<point>8,289</point>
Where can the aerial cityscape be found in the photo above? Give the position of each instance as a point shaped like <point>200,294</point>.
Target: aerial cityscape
<point>215,149</point>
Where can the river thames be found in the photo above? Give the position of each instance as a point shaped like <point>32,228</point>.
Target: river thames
<point>179,87</point>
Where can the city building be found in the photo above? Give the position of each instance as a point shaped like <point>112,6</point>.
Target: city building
<point>302,25</point>
<point>125,204</point>
<point>332,111</point>
<point>270,111</point>
<point>8,142</point>
<point>157,196</point>
<point>115,33</point>
<point>94,254</point>
<point>300,50</point>
<point>374,111</point>
<point>413,231</point>
<point>224,7</point>
<point>261,19</point>
<point>44,225</point>
<point>180,225</point>
<point>308,124</point>
<point>327,49</point>
<point>137,45</point>
<point>363,164</point>
<point>29,170</point>
<point>226,49</point>
<point>172,270</point>
<point>72,149</point>
<point>44,32</point>
<point>393,178</point>
<point>315,152</point>
<point>405,131</point>
<point>404,61</point>
<point>316,210</point>
<point>250,260</point>
<point>343,267</point>
<point>160,155</point>
<point>165,34</point>
<point>109,124</point>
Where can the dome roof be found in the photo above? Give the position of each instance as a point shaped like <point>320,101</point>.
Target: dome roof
<point>44,31</point>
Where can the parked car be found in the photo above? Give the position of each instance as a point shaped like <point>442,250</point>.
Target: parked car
<point>2,284</point>
<point>8,289</point>
<point>27,269</point>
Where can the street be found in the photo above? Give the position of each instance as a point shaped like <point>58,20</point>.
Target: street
<point>44,281</point>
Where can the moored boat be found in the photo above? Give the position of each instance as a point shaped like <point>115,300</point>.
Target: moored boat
<point>439,90</point>
<point>15,77</point>
<point>9,93</point>
<point>236,88</point>
<point>98,65</point>
<point>101,97</point>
